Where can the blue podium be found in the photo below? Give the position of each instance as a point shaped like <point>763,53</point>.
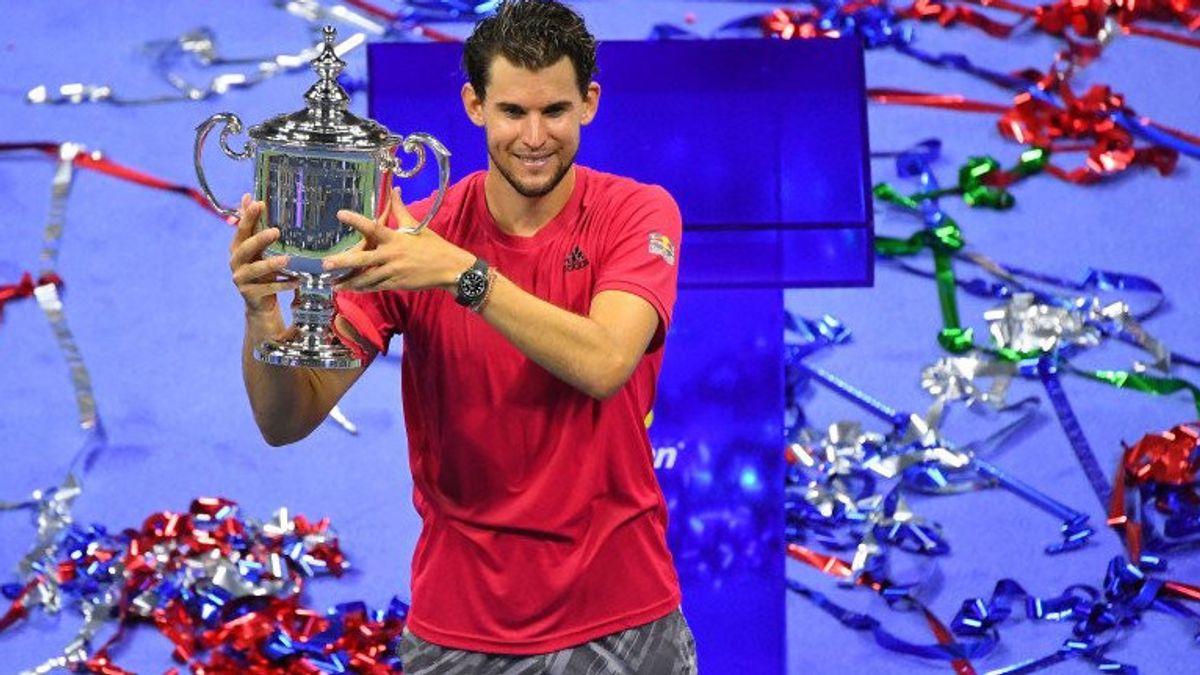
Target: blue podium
<point>764,146</point>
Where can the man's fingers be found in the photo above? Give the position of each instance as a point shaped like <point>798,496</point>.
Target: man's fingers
<point>348,259</point>
<point>251,249</point>
<point>399,210</point>
<point>366,280</point>
<point>382,219</point>
<point>248,215</point>
<point>259,291</point>
<point>367,227</point>
<point>257,270</point>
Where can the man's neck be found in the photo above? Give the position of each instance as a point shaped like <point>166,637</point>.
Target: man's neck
<point>523,216</point>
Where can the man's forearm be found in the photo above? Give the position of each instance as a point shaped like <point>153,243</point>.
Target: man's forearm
<point>577,349</point>
<point>284,401</point>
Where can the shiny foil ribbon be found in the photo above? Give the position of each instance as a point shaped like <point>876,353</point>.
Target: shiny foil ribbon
<point>46,292</point>
<point>941,236</point>
<point>1025,326</point>
<point>1043,335</point>
<point>982,182</point>
<point>948,648</point>
<point>199,44</point>
<point>72,156</point>
<point>1036,332</point>
<point>1141,297</point>
<point>1046,112</point>
<point>224,590</point>
<point>408,21</point>
<point>960,378</point>
<point>1158,480</point>
<point>1098,615</point>
<point>1097,21</point>
<point>834,497</point>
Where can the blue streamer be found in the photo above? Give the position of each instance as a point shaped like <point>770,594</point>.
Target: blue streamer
<point>1096,614</point>
<point>970,649</point>
<point>1047,370</point>
<point>1075,528</point>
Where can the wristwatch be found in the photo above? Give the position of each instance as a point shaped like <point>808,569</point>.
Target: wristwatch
<point>473,284</point>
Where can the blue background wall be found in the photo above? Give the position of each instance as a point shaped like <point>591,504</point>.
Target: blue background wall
<point>159,323</point>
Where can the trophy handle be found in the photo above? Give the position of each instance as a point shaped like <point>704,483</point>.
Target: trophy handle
<point>416,144</point>
<point>233,125</point>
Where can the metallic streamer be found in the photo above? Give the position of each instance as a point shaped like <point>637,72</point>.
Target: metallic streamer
<point>49,300</point>
<point>1026,326</point>
<point>316,12</point>
<point>201,44</point>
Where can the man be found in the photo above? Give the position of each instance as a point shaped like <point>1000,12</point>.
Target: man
<point>534,310</point>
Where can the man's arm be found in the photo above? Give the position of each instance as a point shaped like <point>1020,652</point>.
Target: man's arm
<point>288,403</point>
<point>595,354</point>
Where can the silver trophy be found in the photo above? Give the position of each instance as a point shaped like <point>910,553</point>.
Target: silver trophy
<point>307,166</point>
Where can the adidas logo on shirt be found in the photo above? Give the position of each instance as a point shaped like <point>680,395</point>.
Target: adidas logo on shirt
<point>576,260</point>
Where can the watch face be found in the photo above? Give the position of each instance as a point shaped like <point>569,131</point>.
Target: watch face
<point>472,285</point>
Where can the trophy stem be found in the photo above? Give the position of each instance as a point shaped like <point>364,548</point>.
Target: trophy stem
<point>311,342</point>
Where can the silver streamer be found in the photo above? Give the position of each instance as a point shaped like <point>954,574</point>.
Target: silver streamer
<point>342,421</point>
<point>1117,317</point>
<point>958,378</point>
<point>54,509</point>
<point>239,575</point>
<point>845,447</point>
<point>51,303</point>
<point>1024,325</point>
<point>201,45</point>
<point>321,13</point>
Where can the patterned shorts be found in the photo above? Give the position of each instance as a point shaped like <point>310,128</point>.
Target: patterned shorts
<point>663,647</point>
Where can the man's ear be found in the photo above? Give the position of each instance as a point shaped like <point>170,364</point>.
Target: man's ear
<point>472,104</point>
<point>591,103</point>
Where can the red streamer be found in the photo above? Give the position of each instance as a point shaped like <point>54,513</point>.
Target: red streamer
<point>25,287</point>
<point>1168,458</point>
<point>840,569</point>
<point>1084,122</point>
<point>94,161</point>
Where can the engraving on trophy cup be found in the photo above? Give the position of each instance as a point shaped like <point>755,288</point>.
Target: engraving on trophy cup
<point>309,165</point>
<point>302,198</point>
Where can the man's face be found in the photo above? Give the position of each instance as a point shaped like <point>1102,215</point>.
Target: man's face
<point>532,121</point>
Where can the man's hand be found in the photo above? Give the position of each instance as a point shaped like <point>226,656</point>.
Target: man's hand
<point>257,280</point>
<point>390,260</point>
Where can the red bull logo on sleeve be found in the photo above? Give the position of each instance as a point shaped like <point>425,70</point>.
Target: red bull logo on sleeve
<point>661,246</point>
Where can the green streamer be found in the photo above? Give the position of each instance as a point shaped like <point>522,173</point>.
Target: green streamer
<point>1149,384</point>
<point>944,239</point>
<point>975,178</point>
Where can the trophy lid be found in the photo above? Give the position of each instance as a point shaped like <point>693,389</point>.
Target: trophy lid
<point>325,121</point>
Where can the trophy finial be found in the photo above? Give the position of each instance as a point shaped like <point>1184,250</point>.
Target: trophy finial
<point>327,95</point>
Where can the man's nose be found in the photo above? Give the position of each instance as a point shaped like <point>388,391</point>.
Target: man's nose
<point>534,133</point>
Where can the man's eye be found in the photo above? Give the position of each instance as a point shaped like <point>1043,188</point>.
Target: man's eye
<point>512,114</point>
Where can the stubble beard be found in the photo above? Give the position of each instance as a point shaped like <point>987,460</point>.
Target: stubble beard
<point>527,191</point>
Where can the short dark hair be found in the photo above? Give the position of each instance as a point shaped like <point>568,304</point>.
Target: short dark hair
<point>532,34</point>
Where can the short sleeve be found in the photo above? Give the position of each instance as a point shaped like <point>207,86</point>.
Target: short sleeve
<point>643,257</point>
<point>375,316</point>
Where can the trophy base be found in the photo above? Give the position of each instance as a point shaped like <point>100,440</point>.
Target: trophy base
<point>332,356</point>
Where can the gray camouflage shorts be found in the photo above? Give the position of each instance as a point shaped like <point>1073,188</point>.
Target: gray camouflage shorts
<point>663,647</point>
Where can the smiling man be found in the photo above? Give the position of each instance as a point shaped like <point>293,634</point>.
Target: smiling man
<point>534,310</point>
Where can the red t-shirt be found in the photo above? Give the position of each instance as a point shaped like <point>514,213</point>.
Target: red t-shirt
<point>543,523</point>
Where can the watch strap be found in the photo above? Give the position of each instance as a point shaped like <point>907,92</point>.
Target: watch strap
<point>472,284</point>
